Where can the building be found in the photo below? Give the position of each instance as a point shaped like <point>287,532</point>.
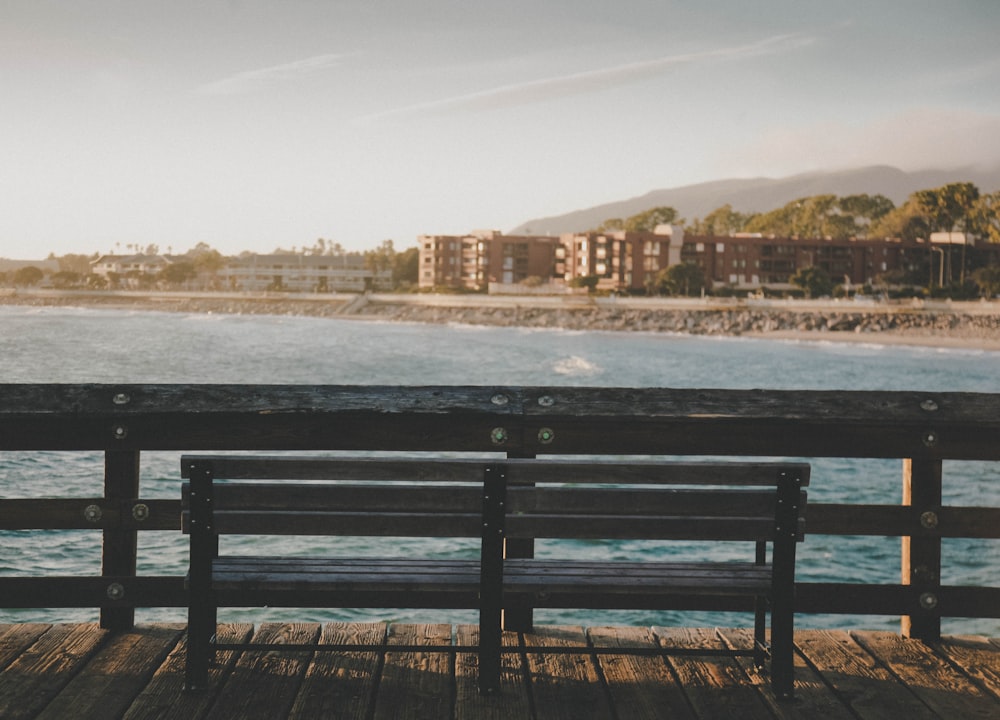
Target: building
<point>621,260</point>
<point>473,261</point>
<point>746,261</point>
<point>302,273</point>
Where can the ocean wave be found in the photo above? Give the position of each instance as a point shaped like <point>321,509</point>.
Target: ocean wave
<point>576,366</point>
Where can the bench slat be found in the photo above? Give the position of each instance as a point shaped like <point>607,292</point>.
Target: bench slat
<point>540,470</point>
<point>456,499</point>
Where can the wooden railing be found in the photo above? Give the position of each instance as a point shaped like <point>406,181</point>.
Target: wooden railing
<point>921,429</point>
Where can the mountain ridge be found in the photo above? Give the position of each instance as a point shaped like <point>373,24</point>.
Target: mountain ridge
<point>762,194</point>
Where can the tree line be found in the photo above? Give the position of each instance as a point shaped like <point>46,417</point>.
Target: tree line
<point>200,265</point>
<point>955,207</point>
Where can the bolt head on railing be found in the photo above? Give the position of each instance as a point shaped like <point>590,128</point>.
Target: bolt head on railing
<point>116,591</point>
<point>140,512</point>
<point>93,513</point>
<point>498,435</point>
<point>928,601</point>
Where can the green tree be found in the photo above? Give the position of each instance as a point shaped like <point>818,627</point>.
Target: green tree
<point>381,258</point>
<point>823,216</point>
<point>178,273</point>
<point>985,217</point>
<point>987,279</point>
<point>611,225</point>
<point>585,281</point>
<point>65,279</point>
<point>28,276</point>
<point>406,267</point>
<point>813,280</point>
<point>648,220</point>
<point>685,278</point>
<point>907,222</point>
<point>722,221</point>
<point>949,207</point>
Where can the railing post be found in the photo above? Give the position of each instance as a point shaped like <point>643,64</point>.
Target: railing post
<point>118,557</point>
<point>921,554</point>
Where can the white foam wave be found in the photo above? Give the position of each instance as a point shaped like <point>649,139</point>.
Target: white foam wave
<point>576,366</point>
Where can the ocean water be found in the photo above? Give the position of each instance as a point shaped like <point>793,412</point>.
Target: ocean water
<point>69,345</point>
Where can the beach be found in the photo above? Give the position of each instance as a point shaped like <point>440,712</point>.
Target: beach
<point>972,325</point>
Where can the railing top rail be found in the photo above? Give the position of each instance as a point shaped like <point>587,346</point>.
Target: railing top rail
<point>512,420</point>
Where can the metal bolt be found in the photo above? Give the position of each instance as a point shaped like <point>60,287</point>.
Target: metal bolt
<point>120,432</point>
<point>499,399</point>
<point>928,601</point>
<point>928,405</point>
<point>929,520</point>
<point>930,438</point>
<point>140,512</point>
<point>116,591</point>
<point>498,435</point>
<point>93,513</point>
<point>546,401</point>
<point>121,398</point>
<point>546,436</point>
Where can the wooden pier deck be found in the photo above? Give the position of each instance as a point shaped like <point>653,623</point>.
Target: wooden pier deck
<point>81,671</point>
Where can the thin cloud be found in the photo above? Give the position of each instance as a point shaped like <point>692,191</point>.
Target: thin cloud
<point>591,81</point>
<point>253,80</point>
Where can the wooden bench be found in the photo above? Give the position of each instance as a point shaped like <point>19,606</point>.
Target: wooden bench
<point>493,501</point>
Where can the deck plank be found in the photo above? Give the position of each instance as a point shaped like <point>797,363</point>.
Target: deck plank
<point>948,693</point>
<point>511,702</point>
<point>15,639</point>
<point>118,672</point>
<point>813,697</point>
<point>341,684</point>
<point>564,686</point>
<point>165,698</point>
<point>715,684</point>
<point>640,686</point>
<point>861,680</point>
<point>977,658</point>
<point>416,684</point>
<point>30,682</point>
<point>263,683</point>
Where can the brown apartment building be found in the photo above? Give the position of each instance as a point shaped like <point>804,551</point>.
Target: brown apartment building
<point>630,261</point>
<point>482,257</point>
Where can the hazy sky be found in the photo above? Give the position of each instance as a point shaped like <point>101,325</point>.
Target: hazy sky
<point>251,125</point>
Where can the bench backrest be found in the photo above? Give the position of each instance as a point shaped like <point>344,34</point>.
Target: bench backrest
<point>537,498</point>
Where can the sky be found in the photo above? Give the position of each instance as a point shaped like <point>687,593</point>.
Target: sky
<point>253,125</point>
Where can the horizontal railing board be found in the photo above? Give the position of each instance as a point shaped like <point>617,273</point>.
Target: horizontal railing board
<point>823,518</point>
<point>811,597</point>
<point>79,514</point>
<point>620,421</point>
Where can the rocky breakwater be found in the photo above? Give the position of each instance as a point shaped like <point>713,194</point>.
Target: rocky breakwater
<point>697,321</point>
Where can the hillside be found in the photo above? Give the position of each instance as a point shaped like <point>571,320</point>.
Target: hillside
<point>763,194</point>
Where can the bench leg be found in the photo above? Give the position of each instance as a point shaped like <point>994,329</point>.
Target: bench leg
<point>199,642</point>
<point>782,655</point>
<point>759,630</point>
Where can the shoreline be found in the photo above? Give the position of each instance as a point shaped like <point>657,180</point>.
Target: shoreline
<point>969,326</point>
